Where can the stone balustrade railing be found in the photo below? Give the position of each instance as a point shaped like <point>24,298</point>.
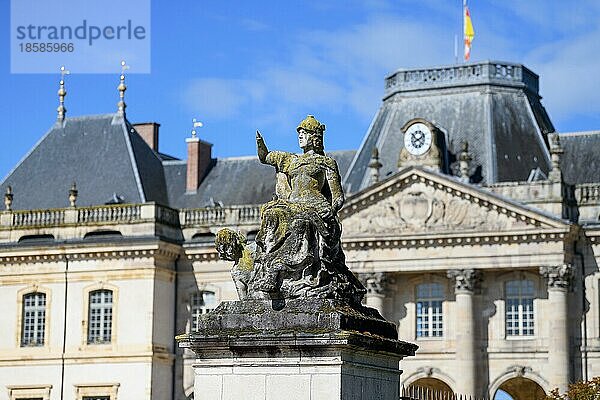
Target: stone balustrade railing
<point>490,72</point>
<point>37,217</point>
<point>131,213</point>
<point>230,216</point>
<point>112,213</point>
<point>105,214</point>
<point>587,193</point>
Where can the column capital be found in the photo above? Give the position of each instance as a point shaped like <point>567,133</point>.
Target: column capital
<point>375,282</point>
<point>465,280</point>
<point>558,276</point>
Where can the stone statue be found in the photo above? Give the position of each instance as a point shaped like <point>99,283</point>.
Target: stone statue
<point>232,246</point>
<point>298,249</point>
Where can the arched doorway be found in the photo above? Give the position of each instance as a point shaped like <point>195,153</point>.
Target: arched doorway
<point>433,384</point>
<point>520,388</point>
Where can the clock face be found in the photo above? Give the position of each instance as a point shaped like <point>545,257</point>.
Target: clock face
<point>417,139</point>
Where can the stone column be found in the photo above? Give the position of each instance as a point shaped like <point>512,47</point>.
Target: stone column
<point>376,284</point>
<point>558,278</point>
<point>465,281</point>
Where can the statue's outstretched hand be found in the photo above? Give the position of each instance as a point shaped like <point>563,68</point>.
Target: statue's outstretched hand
<point>259,137</point>
<point>261,147</point>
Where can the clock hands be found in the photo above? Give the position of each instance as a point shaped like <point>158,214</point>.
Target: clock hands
<point>418,139</point>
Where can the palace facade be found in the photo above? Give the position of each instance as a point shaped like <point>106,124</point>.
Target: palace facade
<point>474,225</point>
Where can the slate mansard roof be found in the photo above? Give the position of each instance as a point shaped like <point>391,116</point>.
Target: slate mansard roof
<point>493,106</point>
<point>102,154</point>
<point>107,159</point>
<point>581,160</point>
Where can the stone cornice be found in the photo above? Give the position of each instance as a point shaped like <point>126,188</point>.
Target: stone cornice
<point>453,240</point>
<point>88,255</point>
<point>206,256</point>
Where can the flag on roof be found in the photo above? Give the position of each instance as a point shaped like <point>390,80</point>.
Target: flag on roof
<point>469,32</point>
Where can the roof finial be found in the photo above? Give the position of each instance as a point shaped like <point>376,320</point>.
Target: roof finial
<point>374,165</point>
<point>73,192</point>
<point>8,198</point>
<point>122,88</point>
<point>62,92</point>
<point>464,162</point>
<point>556,152</point>
<point>196,124</point>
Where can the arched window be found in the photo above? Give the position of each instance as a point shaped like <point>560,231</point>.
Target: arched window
<point>521,388</point>
<point>34,319</point>
<point>201,303</point>
<point>430,297</point>
<point>100,316</point>
<point>519,315</point>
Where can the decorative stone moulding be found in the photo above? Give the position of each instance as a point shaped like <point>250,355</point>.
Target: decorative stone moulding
<point>102,255</point>
<point>375,282</point>
<point>558,276</point>
<point>212,256</point>
<point>388,189</point>
<point>465,279</point>
<point>353,243</point>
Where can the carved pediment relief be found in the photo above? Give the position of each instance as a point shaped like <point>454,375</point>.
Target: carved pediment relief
<point>416,205</point>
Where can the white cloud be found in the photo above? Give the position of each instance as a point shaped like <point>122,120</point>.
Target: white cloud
<point>220,98</point>
<point>568,70</point>
<point>342,69</point>
<point>253,25</point>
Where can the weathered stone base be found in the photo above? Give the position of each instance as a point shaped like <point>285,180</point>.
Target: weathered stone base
<point>309,350</point>
<point>314,370</point>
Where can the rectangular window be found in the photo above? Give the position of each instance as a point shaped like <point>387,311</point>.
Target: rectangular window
<point>519,315</point>
<point>96,392</point>
<point>430,297</point>
<point>100,316</point>
<point>33,392</point>
<point>201,303</point>
<point>34,319</point>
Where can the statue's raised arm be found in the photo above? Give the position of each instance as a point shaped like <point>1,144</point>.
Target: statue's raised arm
<point>261,148</point>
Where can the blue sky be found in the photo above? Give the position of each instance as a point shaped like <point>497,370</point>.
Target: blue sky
<point>240,65</point>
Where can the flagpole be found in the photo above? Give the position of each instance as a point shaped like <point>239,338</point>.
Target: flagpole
<point>462,16</point>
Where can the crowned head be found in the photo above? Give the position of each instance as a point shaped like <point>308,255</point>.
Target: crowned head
<point>310,134</point>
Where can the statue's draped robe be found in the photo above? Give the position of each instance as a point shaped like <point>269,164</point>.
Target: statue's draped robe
<point>299,250</point>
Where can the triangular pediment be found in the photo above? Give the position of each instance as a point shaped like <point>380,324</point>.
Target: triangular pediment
<point>417,201</point>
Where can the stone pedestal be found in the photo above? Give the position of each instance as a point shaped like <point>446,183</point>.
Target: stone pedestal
<point>308,349</point>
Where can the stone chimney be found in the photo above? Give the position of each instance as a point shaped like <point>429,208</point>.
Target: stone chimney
<point>198,161</point>
<point>149,132</point>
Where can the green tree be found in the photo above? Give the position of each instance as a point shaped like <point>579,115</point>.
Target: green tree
<point>579,391</point>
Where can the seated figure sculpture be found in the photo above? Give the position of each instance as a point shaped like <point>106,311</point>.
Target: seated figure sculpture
<point>232,246</point>
<point>298,249</point>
